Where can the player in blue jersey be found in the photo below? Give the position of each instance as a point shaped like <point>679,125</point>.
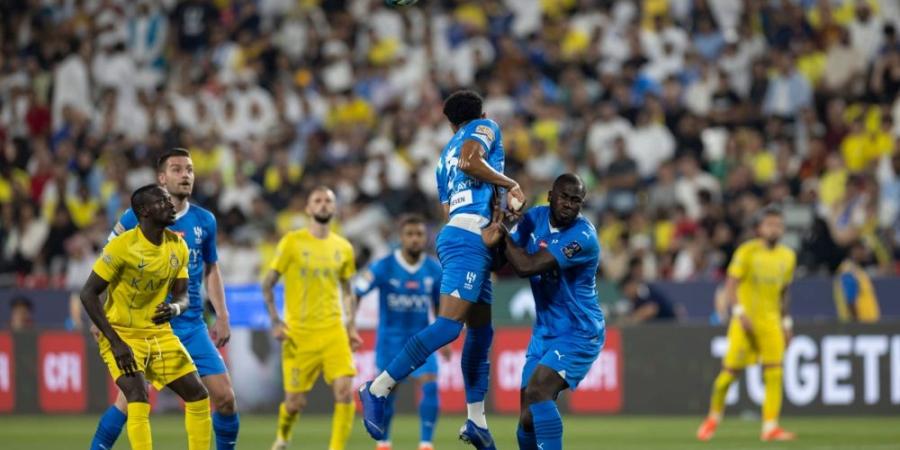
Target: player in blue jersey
<point>408,283</point>
<point>557,248</point>
<point>468,174</point>
<point>197,227</point>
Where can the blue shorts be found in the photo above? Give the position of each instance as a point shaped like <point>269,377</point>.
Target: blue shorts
<point>569,356</point>
<point>202,350</point>
<point>465,265</point>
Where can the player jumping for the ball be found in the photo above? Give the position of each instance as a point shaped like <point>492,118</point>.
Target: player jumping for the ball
<point>470,168</point>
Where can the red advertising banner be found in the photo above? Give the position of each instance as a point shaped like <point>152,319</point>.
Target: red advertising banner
<point>601,389</point>
<point>7,374</point>
<point>508,358</point>
<point>61,372</point>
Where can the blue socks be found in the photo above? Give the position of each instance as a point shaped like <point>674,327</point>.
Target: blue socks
<point>428,410</point>
<point>226,430</point>
<point>108,430</point>
<point>476,367</point>
<point>419,347</point>
<point>548,426</point>
<point>527,440</point>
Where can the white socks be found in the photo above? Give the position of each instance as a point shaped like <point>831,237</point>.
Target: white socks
<point>476,413</point>
<point>382,385</point>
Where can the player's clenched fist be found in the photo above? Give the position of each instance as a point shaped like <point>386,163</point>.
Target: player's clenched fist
<point>279,330</point>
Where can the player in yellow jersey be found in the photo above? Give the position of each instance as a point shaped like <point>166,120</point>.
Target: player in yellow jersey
<point>318,331</point>
<point>139,267</point>
<point>757,290</point>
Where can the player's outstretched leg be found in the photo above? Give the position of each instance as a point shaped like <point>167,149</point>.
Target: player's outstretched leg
<point>416,351</point>
<point>476,370</point>
<point>428,414</point>
<point>716,404</point>
<point>771,431</point>
<point>197,421</point>
<point>111,424</point>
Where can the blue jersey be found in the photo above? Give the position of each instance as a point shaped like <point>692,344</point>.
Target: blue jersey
<point>463,193</point>
<point>407,293</point>
<point>197,227</point>
<point>565,298</point>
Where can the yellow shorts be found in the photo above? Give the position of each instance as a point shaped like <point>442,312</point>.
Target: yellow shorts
<point>306,354</point>
<point>766,347</point>
<point>160,356</point>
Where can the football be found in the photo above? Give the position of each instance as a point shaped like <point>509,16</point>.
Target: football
<point>400,2</point>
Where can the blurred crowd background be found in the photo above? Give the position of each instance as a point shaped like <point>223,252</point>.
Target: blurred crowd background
<point>683,116</point>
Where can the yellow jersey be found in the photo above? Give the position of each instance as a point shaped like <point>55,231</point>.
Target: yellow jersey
<point>852,278</point>
<point>763,273</point>
<point>140,275</point>
<point>313,269</point>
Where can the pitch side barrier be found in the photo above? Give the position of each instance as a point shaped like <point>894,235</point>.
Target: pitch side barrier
<point>651,369</point>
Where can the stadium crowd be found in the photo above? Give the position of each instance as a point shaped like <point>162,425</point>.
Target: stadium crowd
<point>684,117</point>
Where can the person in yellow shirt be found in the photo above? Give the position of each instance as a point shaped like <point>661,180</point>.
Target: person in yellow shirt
<point>854,295</point>
<point>136,341</point>
<point>756,288</point>
<point>318,331</point>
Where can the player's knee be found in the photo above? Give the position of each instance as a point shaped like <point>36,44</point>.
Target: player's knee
<point>121,402</point>
<point>135,394</point>
<point>536,393</point>
<point>343,394</point>
<point>294,403</point>
<point>224,402</point>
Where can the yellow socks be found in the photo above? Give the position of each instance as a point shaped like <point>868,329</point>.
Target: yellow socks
<point>138,426</point>
<point>771,409</point>
<point>286,422</point>
<point>720,388</point>
<point>198,424</point>
<point>341,425</point>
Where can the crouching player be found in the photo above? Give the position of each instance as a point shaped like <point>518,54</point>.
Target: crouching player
<point>137,343</point>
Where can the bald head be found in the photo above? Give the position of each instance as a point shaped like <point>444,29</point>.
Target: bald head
<point>569,179</point>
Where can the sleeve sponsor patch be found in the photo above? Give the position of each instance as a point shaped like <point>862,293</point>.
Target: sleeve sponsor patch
<point>571,249</point>
<point>485,133</point>
<point>119,228</point>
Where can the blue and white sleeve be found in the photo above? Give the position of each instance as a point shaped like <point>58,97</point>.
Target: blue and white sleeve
<point>127,221</point>
<point>521,232</point>
<point>485,132</point>
<point>210,253</point>
<point>367,280</point>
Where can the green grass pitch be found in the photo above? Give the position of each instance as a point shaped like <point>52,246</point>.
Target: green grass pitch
<point>581,433</point>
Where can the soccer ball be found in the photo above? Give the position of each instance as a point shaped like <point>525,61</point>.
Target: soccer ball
<point>400,2</point>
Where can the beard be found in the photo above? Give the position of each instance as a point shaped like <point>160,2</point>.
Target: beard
<point>322,218</point>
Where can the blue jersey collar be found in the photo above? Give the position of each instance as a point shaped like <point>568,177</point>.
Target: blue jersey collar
<point>398,255</point>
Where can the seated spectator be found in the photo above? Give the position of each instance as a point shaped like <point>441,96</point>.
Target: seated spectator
<point>854,296</point>
<point>647,304</point>
<point>21,314</point>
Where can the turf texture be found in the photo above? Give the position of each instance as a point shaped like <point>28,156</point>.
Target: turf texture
<point>581,433</point>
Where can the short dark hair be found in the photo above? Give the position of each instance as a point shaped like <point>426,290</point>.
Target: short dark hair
<point>768,211</point>
<point>410,219</point>
<point>142,197</point>
<point>463,106</point>
<point>21,301</point>
<point>161,162</point>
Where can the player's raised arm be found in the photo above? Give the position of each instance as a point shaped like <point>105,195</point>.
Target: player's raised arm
<point>525,264</point>
<point>90,298</point>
